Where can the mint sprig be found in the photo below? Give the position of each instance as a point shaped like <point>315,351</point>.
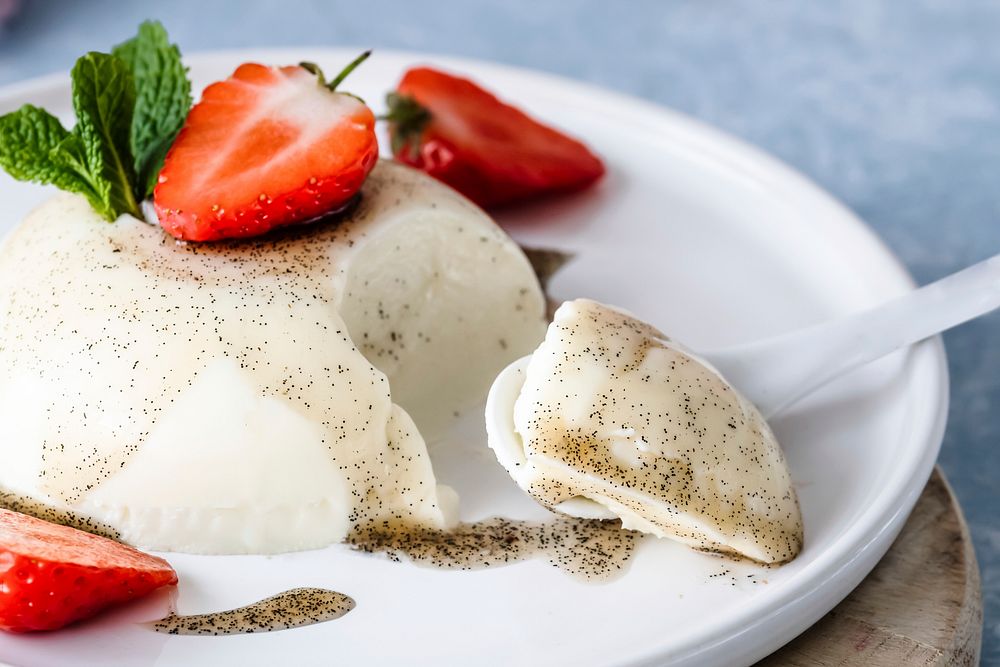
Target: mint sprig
<point>129,107</point>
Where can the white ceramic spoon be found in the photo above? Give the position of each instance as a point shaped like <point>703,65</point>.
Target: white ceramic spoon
<point>776,372</point>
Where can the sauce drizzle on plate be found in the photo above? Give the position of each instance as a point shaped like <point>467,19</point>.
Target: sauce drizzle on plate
<point>291,609</point>
<point>587,549</point>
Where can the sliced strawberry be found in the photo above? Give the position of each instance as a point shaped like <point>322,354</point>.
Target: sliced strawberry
<point>53,575</point>
<point>489,151</point>
<point>266,147</point>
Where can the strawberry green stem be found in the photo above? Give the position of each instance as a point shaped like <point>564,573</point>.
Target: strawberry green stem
<point>407,121</point>
<point>347,70</point>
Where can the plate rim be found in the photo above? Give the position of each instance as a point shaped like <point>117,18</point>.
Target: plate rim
<point>740,641</point>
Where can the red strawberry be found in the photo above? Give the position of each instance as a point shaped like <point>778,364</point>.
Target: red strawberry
<point>53,575</point>
<point>489,151</point>
<point>266,147</point>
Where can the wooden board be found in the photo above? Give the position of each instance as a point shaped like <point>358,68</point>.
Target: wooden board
<point>921,605</point>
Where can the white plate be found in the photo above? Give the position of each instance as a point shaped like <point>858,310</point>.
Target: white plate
<point>715,243</point>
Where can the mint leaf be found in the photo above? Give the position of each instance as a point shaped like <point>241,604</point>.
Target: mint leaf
<point>163,98</point>
<point>34,146</point>
<point>103,98</point>
<point>28,139</point>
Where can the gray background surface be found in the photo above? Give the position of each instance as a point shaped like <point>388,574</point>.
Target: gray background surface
<point>894,107</point>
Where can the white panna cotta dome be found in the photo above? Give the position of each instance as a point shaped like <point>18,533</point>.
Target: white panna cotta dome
<point>253,396</point>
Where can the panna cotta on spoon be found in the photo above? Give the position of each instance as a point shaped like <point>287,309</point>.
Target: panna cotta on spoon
<point>611,419</point>
<point>614,420</point>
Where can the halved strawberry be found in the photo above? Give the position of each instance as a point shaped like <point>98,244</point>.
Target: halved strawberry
<point>266,147</point>
<point>489,151</point>
<point>52,575</point>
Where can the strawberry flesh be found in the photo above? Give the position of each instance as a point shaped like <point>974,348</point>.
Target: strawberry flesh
<point>491,152</point>
<point>267,147</point>
<point>51,575</point>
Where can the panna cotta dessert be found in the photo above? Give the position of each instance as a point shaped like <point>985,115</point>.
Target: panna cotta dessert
<point>260,395</point>
<point>615,420</point>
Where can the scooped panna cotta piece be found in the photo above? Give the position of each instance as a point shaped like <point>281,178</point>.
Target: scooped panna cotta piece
<point>614,412</point>
<point>253,396</point>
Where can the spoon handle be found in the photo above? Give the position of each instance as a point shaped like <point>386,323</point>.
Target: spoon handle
<point>775,372</point>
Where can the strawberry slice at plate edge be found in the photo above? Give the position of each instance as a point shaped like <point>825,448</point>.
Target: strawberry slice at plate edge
<point>52,575</point>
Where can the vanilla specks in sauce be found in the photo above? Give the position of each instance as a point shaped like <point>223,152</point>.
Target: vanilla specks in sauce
<point>290,609</point>
<point>587,549</point>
